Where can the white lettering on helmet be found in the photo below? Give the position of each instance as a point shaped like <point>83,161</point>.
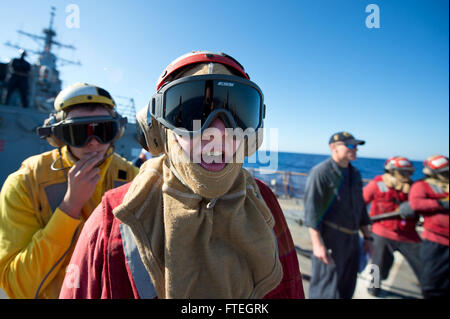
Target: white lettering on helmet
<point>225,84</point>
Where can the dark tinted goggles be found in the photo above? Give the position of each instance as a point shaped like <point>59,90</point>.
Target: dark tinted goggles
<point>405,172</point>
<point>77,132</point>
<point>189,105</point>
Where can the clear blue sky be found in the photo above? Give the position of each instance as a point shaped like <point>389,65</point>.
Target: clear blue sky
<point>320,68</point>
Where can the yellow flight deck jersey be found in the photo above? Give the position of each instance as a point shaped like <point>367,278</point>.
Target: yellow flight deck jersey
<point>36,237</point>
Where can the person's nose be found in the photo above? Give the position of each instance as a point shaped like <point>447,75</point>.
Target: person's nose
<point>93,142</point>
<point>215,134</point>
<point>218,124</point>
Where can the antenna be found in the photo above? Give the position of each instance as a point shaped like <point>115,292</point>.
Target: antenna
<point>52,15</point>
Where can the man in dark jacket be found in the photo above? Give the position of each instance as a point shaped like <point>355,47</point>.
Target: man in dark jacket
<point>335,213</point>
<point>20,70</point>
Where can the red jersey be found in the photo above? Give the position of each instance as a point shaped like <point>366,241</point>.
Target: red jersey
<point>105,273</point>
<point>423,198</point>
<point>383,200</point>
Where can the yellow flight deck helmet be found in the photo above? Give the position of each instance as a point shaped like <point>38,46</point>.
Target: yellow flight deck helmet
<point>82,93</point>
<point>79,94</point>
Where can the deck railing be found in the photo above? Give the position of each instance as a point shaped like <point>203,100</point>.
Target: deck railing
<point>286,184</point>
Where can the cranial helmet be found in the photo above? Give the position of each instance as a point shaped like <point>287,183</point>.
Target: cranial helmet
<point>82,93</point>
<point>398,163</point>
<point>435,165</point>
<point>149,125</point>
<point>78,94</point>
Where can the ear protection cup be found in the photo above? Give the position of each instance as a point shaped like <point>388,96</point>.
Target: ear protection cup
<point>149,132</point>
<point>141,136</point>
<point>50,138</point>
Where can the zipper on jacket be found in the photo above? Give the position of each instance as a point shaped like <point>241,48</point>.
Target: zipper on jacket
<point>211,203</point>
<point>57,262</point>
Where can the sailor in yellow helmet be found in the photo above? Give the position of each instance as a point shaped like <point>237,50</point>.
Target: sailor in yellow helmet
<point>44,204</point>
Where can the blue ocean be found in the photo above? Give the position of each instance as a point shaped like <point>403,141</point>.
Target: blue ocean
<point>270,168</point>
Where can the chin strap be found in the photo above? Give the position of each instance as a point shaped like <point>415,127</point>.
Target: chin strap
<point>62,168</point>
<point>108,154</point>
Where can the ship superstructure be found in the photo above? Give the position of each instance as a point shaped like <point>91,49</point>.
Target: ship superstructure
<point>18,138</point>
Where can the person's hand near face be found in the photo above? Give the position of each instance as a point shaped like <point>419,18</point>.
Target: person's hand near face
<point>84,175</point>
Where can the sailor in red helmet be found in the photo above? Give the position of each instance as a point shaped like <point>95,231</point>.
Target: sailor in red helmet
<point>429,197</point>
<point>388,193</point>
<point>194,223</point>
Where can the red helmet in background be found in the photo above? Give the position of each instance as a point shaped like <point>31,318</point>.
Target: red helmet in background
<point>398,163</point>
<point>435,164</point>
